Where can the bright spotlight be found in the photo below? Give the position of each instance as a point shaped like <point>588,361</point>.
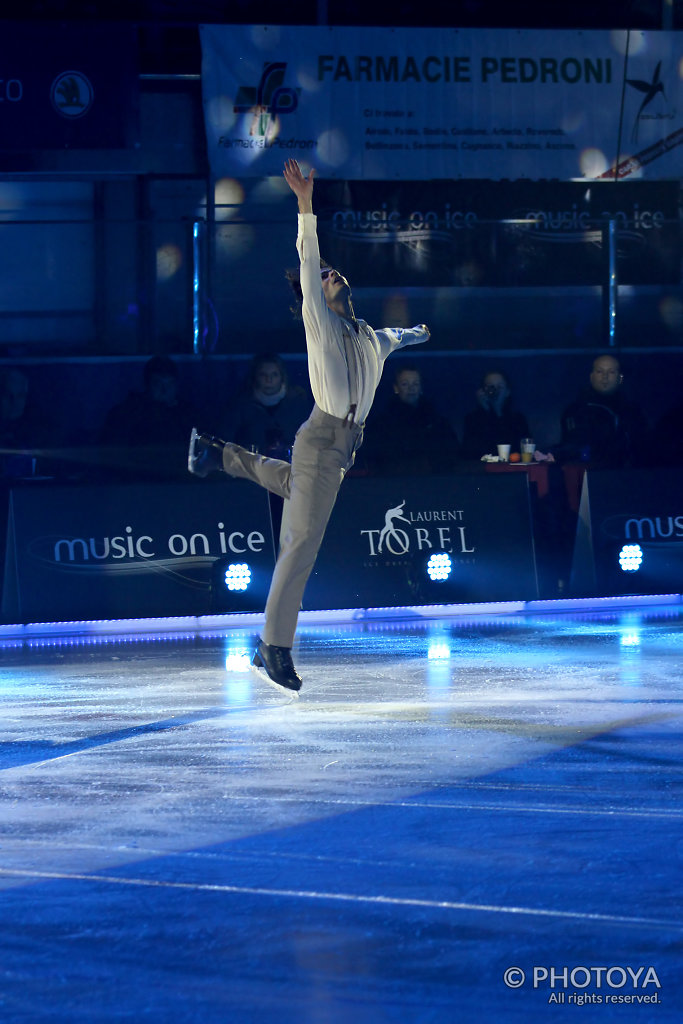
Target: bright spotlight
<point>238,576</point>
<point>439,566</point>
<point>238,661</point>
<point>630,557</point>
<point>630,640</point>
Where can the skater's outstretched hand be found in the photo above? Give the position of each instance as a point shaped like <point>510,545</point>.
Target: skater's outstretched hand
<point>301,187</point>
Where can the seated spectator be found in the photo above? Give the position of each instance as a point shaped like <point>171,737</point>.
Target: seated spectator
<point>24,427</point>
<point>269,411</point>
<point>495,422</point>
<point>147,432</point>
<point>602,426</point>
<point>409,436</point>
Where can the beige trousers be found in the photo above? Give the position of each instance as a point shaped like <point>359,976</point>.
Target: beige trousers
<point>323,452</point>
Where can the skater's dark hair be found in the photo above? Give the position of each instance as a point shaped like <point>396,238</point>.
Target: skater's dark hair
<point>294,280</point>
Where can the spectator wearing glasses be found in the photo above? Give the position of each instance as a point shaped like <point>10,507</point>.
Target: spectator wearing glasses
<point>495,420</point>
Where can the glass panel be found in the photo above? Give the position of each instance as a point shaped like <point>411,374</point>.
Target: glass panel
<point>498,291</point>
<point>47,282</point>
<point>81,272</point>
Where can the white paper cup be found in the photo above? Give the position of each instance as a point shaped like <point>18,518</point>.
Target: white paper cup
<point>504,452</point>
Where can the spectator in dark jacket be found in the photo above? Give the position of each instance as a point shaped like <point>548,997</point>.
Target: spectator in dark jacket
<point>409,436</point>
<point>495,421</point>
<point>145,435</point>
<point>269,411</point>
<point>602,426</point>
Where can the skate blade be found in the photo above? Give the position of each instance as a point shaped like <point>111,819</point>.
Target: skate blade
<point>262,674</point>
<point>190,451</point>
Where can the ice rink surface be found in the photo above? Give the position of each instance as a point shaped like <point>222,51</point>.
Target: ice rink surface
<point>474,818</point>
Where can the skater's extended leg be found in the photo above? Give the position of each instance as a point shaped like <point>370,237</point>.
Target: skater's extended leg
<point>209,454</point>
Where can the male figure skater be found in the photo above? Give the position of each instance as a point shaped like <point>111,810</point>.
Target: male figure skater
<point>345,359</point>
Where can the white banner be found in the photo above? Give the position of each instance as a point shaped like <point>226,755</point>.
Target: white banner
<point>383,103</point>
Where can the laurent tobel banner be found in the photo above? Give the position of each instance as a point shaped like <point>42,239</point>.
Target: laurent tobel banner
<point>382,103</point>
<point>387,540</point>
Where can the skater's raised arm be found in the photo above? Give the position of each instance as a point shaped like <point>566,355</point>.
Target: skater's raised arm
<point>320,294</point>
<point>301,186</point>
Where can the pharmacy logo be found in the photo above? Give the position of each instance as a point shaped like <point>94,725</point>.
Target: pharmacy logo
<point>269,99</point>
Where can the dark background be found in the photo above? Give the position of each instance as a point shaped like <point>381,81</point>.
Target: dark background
<point>84,234</point>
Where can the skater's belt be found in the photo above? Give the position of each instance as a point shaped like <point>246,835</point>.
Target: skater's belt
<point>336,421</point>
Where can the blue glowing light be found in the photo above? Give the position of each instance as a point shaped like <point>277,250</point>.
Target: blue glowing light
<point>196,283</point>
<point>438,651</point>
<point>238,576</point>
<point>630,640</point>
<point>238,660</point>
<point>630,557</point>
<point>439,566</point>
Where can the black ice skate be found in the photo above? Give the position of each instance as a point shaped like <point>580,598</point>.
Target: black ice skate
<point>277,663</point>
<point>205,454</point>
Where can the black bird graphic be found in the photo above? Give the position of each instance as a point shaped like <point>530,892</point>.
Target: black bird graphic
<point>650,89</point>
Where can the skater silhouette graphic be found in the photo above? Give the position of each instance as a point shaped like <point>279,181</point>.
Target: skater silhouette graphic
<point>390,530</point>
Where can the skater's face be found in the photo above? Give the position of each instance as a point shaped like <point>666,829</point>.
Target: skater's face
<point>269,378</point>
<point>335,286</point>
